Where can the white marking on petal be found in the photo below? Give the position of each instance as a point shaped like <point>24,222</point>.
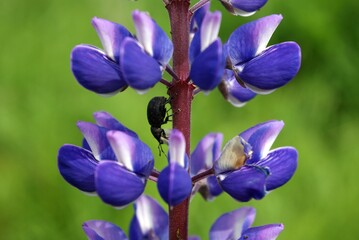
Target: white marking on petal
<point>123,146</point>
<point>258,90</point>
<point>210,28</point>
<point>177,147</point>
<point>266,26</point>
<point>144,30</point>
<point>144,215</point>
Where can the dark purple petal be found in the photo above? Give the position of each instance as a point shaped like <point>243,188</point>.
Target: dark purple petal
<point>95,71</point>
<point>131,152</point>
<point>117,186</point>
<point>261,137</point>
<point>111,35</point>
<point>206,152</point>
<point>77,167</point>
<point>150,220</point>
<point>105,120</point>
<point>174,184</point>
<point>282,163</point>
<point>96,138</point>
<point>266,232</point>
<point>232,224</point>
<point>251,39</point>
<point>208,67</point>
<point>214,188</point>
<point>139,70</point>
<point>246,183</point>
<point>154,40</point>
<point>102,230</point>
<point>195,47</point>
<point>272,69</point>
<point>233,92</point>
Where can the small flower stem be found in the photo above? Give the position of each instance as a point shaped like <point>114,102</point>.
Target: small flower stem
<point>181,94</point>
<point>166,83</point>
<point>172,73</point>
<point>202,175</point>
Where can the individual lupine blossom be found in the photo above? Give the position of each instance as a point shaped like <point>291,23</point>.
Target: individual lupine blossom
<point>112,158</point>
<point>253,67</point>
<point>202,158</point>
<point>127,60</point>
<point>174,183</point>
<point>248,169</point>
<point>243,7</point>
<point>150,221</point>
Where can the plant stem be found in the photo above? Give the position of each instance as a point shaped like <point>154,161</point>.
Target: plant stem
<point>181,98</point>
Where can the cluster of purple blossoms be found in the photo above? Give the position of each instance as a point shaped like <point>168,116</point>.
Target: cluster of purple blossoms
<point>114,164</point>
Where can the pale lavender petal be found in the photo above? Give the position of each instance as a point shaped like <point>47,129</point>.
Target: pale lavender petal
<point>177,147</point>
<point>208,67</point>
<point>154,40</point>
<point>140,71</point>
<point>95,71</point>
<point>210,28</point>
<point>77,167</point>
<point>251,39</point>
<point>198,16</point>
<point>117,186</point>
<point>282,163</point>
<point>261,137</point>
<point>102,230</point>
<point>246,183</point>
<point>231,225</point>
<point>272,69</point>
<point>266,232</point>
<point>131,152</point>
<point>174,184</point>
<point>96,138</point>
<point>206,152</point>
<point>150,220</point>
<point>111,35</point>
<point>106,120</point>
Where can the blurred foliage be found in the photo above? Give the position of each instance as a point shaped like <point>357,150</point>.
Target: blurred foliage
<point>40,103</point>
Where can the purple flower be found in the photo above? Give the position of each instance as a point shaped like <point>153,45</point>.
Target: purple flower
<point>124,59</point>
<point>206,51</point>
<point>174,182</point>
<point>237,225</point>
<point>247,169</point>
<point>113,162</point>
<point>233,92</point>
<point>261,69</point>
<point>243,7</point>
<point>202,158</point>
<point>102,230</point>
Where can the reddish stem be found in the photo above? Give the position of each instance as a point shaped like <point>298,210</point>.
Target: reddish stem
<point>202,175</point>
<point>181,98</point>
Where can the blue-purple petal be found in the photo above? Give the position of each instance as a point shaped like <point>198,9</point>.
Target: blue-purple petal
<point>106,120</point>
<point>198,16</point>
<point>210,28</point>
<point>174,184</point>
<point>208,67</point>
<point>102,230</point>
<point>131,152</point>
<point>266,232</point>
<point>96,138</point>
<point>248,5</point>
<point>273,68</point>
<point>154,40</point>
<point>77,167</point>
<point>251,39</point>
<point>231,225</point>
<point>117,186</point>
<point>140,71</point>
<point>206,152</point>
<point>150,220</point>
<point>282,163</point>
<point>214,188</point>
<point>246,183</point>
<point>111,35</point>
<point>95,71</point>
<point>261,137</point>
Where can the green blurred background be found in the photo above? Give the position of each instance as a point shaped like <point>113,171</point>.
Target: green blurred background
<point>40,102</point>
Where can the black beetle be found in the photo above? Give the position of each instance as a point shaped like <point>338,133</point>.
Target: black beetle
<point>157,115</point>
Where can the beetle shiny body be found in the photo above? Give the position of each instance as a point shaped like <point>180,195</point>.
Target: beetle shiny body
<point>157,115</point>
